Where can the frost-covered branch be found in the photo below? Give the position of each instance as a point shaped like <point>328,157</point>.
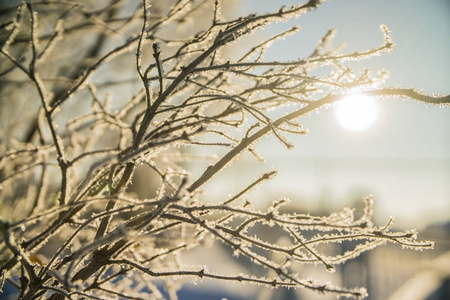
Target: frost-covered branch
<point>100,162</point>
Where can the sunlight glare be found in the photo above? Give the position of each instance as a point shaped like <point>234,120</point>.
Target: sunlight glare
<point>356,112</point>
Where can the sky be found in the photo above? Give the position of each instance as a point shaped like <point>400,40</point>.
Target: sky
<point>403,158</point>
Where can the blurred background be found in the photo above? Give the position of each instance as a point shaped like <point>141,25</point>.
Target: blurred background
<point>402,158</point>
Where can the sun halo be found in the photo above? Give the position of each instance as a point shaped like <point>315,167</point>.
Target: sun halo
<point>356,112</point>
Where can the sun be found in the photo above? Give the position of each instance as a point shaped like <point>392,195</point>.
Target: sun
<point>356,112</point>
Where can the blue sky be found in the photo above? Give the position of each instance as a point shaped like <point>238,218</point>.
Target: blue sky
<point>404,157</point>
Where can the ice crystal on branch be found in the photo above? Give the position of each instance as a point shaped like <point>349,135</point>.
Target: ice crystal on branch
<point>121,93</point>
